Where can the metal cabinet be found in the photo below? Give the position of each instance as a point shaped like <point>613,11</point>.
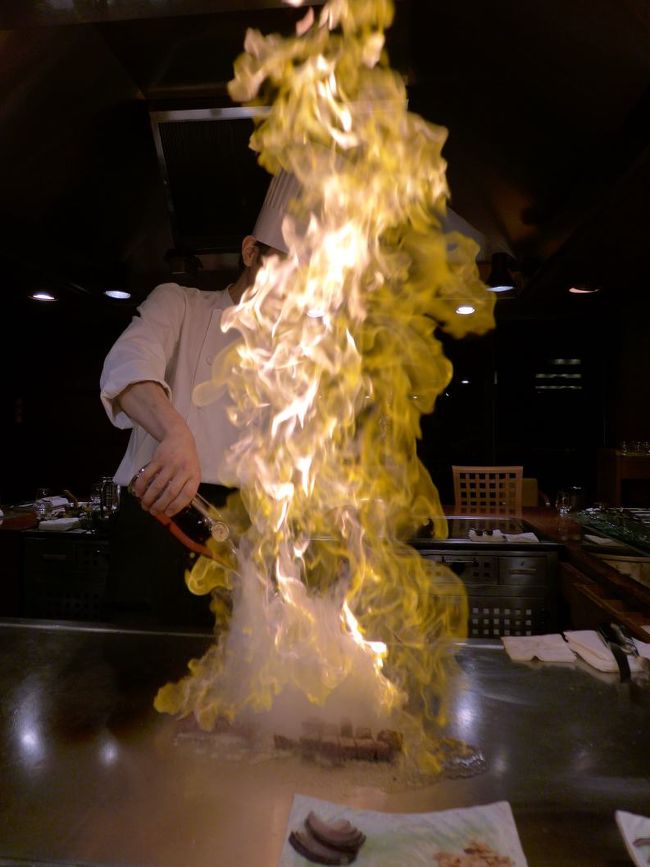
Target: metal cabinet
<point>510,592</point>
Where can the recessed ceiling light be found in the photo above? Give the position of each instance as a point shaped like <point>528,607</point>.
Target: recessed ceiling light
<point>582,290</point>
<point>464,382</point>
<point>118,294</point>
<point>500,277</point>
<point>465,310</point>
<point>42,296</point>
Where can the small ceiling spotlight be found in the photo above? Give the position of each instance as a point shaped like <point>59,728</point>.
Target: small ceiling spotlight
<point>582,290</point>
<point>118,294</point>
<point>465,310</point>
<point>500,279</point>
<point>42,296</point>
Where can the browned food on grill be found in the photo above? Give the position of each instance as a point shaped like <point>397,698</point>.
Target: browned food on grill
<point>348,748</point>
<point>347,730</point>
<point>475,854</point>
<point>339,743</point>
<point>383,751</point>
<point>366,749</point>
<point>330,747</point>
<point>340,834</point>
<point>392,738</point>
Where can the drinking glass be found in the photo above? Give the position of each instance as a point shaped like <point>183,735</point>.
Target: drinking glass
<point>563,502</point>
<point>41,505</point>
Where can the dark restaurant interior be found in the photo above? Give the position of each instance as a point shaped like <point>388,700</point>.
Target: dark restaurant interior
<point>124,164</point>
<point>547,111</point>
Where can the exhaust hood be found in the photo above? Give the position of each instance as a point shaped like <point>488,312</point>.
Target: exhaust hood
<point>213,183</point>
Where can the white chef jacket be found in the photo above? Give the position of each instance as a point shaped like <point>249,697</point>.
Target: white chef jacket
<point>173,341</point>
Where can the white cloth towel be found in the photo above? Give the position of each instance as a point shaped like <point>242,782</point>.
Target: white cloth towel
<point>498,536</point>
<point>56,502</point>
<point>590,646</point>
<point>59,525</point>
<point>643,647</point>
<point>521,537</point>
<point>547,648</point>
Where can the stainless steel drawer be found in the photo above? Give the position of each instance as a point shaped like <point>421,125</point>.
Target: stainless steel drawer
<point>473,569</point>
<point>523,571</point>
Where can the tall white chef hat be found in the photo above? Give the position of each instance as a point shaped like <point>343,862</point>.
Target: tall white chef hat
<point>268,228</point>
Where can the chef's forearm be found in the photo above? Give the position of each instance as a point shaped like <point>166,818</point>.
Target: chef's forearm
<point>172,476</point>
<point>147,404</point>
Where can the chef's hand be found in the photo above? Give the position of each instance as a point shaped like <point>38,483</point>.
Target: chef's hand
<point>171,478</point>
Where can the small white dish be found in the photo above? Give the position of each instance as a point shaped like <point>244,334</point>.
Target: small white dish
<point>633,827</point>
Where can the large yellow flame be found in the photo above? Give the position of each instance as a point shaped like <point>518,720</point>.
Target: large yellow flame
<point>337,362</point>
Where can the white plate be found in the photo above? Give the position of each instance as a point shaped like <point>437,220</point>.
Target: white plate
<point>412,838</point>
<point>632,827</point>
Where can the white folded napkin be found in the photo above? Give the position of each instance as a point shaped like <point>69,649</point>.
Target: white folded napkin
<point>521,537</point>
<point>590,646</point>
<point>547,648</point>
<point>634,827</point>
<point>56,502</point>
<point>59,525</point>
<point>643,648</point>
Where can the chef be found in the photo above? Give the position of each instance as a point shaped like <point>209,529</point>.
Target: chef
<point>146,385</point>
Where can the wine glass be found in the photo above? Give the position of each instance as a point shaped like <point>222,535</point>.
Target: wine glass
<point>563,503</point>
<point>41,505</point>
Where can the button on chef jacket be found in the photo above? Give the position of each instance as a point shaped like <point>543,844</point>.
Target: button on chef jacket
<point>173,341</point>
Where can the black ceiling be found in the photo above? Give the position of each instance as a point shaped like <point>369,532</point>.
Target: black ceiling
<point>547,106</point>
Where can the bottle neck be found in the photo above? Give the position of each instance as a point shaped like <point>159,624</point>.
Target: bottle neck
<point>203,506</point>
<point>219,529</point>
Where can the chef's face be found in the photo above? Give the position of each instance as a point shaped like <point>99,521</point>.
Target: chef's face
<point>254,253</point>
<point>264,252</point>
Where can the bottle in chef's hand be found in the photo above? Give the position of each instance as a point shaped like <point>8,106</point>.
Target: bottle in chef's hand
<point>200,527</point>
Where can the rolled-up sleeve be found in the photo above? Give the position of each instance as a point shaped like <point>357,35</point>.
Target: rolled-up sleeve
<point>144,349</point>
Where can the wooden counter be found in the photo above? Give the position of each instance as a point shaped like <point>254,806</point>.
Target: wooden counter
<point>593,590</point>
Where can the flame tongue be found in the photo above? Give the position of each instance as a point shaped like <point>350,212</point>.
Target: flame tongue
<point>337,361</point>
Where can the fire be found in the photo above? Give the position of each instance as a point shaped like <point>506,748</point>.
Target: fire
<point>338,360</point>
